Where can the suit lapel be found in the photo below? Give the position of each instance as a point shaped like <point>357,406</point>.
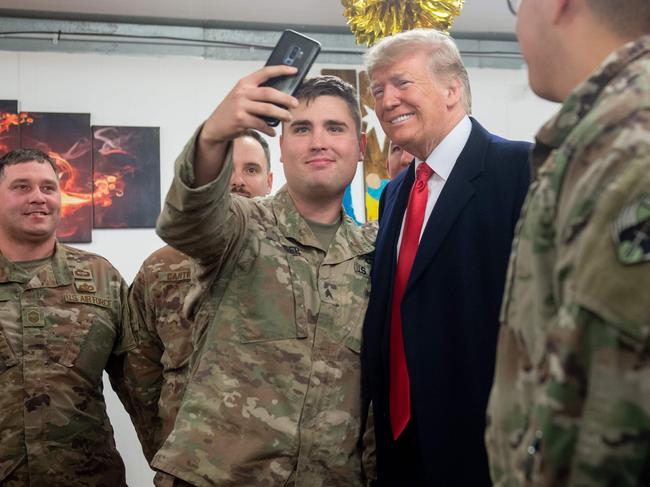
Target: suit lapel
<point>386,251</point>
<point>458,190</point>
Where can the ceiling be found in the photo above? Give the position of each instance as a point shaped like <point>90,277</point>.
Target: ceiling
<point>489,17</point>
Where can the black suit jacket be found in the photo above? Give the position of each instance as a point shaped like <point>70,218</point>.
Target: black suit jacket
<point>450,309</point>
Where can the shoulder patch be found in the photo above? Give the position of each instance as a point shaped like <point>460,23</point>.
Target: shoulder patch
<point>631,232</point>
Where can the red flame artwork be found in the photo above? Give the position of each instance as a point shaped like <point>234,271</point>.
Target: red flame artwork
<point>127,176</point>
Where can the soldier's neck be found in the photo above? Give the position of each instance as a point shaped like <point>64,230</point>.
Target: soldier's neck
<point>325,211</point>
<point>26,250</point>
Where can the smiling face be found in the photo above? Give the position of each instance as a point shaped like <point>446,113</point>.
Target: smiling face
<point>415,109</point>
<point>30,204</point>
<point>320,148</point>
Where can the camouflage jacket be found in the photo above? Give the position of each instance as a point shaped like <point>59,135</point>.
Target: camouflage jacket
<point>274,393</point>
<point>159,363</point>
<point>59,330</point>
<point>570,404</point>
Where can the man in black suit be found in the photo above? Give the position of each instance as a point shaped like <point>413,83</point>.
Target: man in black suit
<point>441,256</point>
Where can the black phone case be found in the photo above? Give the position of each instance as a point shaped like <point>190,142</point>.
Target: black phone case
<point>292,49</point>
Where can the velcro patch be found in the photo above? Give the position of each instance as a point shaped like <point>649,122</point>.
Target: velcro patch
<point>82,274</point>
<point>173,276</point>
<point>361,268</point>
<point>631,232</point>
<point>85,287</point>
<point>32,318</point>
<point>88,299</point>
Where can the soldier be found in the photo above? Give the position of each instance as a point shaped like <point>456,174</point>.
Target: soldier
<point>63,320</point>
<point>570,404</point>
<point>157,295</point>
<point>274,392</point>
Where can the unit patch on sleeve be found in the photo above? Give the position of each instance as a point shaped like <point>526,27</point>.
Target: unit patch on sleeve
<point>631,232</point>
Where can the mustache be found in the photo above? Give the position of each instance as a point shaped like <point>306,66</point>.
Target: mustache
<point>239,188</point>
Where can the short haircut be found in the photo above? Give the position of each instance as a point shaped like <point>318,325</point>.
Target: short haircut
<point>253,134</point>
<point>629,19</point>
<point>444,58</point>
<point>327,85</point>
<point>21,156</point>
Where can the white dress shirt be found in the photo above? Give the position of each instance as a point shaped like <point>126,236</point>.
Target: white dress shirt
<point>442,160</point>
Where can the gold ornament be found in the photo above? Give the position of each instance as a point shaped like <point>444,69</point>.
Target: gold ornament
<point>371,20</point>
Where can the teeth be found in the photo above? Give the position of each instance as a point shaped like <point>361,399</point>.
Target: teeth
<point>401,118</point>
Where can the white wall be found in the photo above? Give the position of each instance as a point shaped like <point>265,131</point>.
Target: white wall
<point>176,94</point>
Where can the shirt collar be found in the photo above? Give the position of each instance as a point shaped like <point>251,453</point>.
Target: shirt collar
<point>444,156</point>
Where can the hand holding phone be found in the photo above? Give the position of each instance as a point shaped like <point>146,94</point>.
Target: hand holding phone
<point>292,49</point>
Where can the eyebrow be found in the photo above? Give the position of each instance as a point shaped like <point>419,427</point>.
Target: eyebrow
<point>392,78</point>
<point>42,181</point>
<point>335,123</point>
<point>300,122</point>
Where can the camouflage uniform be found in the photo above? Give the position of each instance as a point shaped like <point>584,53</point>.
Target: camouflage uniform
<point>58,331</point>
<point>160,361</point>
<point>274,394</point>
<point>571,400</point>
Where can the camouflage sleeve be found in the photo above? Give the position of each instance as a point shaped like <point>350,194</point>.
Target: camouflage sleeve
<point>594,414</point>
<point>126,336</point>
<point>203,222</point>
<point>369,449</point>
<point>138,378</point>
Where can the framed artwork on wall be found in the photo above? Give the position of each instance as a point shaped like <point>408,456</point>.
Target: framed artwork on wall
<point>126,165</point>
<point>10,121</point>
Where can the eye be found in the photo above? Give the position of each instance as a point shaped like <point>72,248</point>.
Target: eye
<point>403,83</point>
<point>335,128</point>
<point>252,170</point>
<point>396,148</point>
<point>48,189</point>
<point>301,129</point>
<point>377,92</point>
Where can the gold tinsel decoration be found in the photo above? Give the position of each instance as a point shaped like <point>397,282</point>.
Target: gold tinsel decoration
<point>371,20</point>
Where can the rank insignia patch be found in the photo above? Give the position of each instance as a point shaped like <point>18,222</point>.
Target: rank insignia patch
<point>631,232</point>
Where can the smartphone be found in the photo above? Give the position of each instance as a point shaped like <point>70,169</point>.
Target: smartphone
<point>292,49</point>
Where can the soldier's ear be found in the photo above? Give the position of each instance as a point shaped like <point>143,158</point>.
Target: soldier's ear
<point>362,145</point>
<point>560,8</point>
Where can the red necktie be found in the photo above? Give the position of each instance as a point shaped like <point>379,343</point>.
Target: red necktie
<point>400,398</point>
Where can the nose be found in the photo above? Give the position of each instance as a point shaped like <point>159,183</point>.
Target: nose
<point>37,196</point>
<point>318,139</point>
<point>390,98</point>
<point>236,179</point>
<point>406,158</point>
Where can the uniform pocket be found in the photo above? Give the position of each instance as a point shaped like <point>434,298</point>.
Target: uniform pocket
<point>268,302</point>
<point>7,355</point>
<point>84,338</point>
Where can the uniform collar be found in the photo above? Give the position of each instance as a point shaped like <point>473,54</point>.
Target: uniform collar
<point>59,270</point>
<point>348,242</point>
